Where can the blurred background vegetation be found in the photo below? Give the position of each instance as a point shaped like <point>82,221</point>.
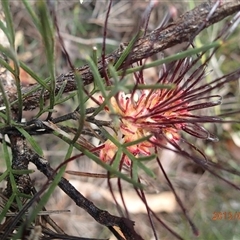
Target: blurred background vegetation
<point>81,27</point>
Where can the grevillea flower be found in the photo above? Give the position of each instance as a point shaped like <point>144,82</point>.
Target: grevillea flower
<point>163,114</point>
<point>149,118</point>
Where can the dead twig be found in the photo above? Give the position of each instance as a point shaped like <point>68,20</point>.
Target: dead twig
<point>182,30</point>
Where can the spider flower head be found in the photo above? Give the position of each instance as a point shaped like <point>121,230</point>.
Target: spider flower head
<point>163,113</point>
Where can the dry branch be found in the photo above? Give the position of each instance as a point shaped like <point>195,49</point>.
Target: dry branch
<point>182,30</point>
<point>103,217</point>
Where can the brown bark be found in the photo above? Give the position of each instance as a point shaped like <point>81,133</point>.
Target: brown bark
<point>182,30</point>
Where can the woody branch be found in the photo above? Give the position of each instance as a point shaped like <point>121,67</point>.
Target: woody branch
<point>182,30</point>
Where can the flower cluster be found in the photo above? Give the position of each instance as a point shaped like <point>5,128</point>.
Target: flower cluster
<point>160,114</point>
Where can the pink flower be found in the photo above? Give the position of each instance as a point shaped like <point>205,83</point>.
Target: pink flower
<point>160,114</point>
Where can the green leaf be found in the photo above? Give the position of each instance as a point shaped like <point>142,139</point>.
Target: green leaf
<point>5,30</point>
<point>44,199</point>
<point>22,171</point>
<point>94,56</point>
<point>31,140</point>
<point>32,13</point>
<point>175,57</point>
<point>147,158</point>
<point>61,90</point>
<point>147,170</point>
<point>64,99</point>
<point>3,175</point>
<point>11,38</point>
<point>135,171</point>
<point>40,81</point>
<point>140,140</point>
<point>69,152</point>
<point>117,159</point>
<point>48,36</point>
<point>9,22</point>
<point>6,207</point>
<point>6,155</point>
<point>23,195</point>
<point>13,183</point>
<point>82,106</point>
<point>151,86</point>
<point>98,80</point>
<point>128,49</point>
